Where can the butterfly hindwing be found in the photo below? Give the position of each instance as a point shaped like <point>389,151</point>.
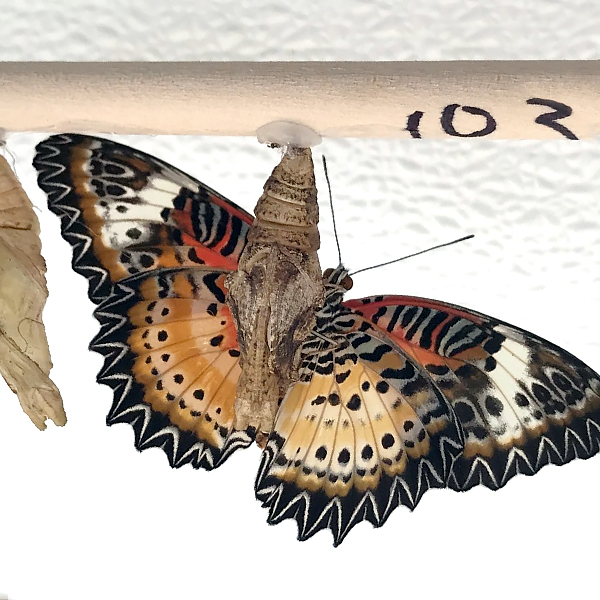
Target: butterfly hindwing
<point>155,246</point>
<point>400,394</point>
<point>360,433</point>
<point>171,356</point>
<point>126,212</point>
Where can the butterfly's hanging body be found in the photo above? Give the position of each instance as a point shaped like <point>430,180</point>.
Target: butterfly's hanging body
<point>394,394</point>
<point>276,290</point>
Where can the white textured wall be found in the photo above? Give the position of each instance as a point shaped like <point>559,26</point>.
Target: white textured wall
<point>84,517</point>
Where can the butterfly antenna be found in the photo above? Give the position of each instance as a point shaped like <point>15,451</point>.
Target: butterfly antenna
<point>462,239</point>
<point>337,241</point>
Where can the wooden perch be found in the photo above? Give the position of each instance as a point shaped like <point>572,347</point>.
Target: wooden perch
<point>24,354</point>
<point>495,99</point>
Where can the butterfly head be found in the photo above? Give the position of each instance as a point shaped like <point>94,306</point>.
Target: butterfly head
<point>337,281</point>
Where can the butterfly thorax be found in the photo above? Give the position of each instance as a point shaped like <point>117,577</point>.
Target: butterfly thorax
<point>277,290</point>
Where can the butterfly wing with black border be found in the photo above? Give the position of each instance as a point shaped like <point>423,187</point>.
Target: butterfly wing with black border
<point>155,246</point>
<point>400,394</point>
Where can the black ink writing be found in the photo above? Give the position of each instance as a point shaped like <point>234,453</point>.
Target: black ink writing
<point>549,119</point>
<point>448,118</point>
<point>412,124</point>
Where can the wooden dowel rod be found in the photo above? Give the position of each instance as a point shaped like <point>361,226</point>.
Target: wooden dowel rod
<point>488,99</point>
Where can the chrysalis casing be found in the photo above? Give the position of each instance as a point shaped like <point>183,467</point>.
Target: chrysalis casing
<point>24,354</point>
<point>276,290</point>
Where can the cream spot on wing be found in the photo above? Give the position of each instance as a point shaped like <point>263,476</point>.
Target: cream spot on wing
<point>159,197</point>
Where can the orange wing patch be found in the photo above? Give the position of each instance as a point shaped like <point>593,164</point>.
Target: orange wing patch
<point>186,358</point>
<point>180,346</point>
<point>345,428</point>
<point>361,432</point>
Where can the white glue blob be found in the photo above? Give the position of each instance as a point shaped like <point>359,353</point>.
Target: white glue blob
<point>288,133</point>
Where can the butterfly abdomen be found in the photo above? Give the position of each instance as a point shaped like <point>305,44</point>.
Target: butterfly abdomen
<point>277,289</point>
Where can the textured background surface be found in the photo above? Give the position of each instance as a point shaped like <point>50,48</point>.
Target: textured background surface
<point>83,516</point>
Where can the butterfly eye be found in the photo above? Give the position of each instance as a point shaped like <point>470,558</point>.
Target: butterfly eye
<point>327,273</point>
<point>347,283</point>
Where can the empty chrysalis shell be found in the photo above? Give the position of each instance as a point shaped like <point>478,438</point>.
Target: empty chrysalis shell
<point>24,354</point>
<point>277,288</point>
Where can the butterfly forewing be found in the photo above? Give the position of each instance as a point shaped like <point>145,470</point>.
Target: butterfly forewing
<point>155,246</point>
<point>521,401</point>
<point>126,212</point>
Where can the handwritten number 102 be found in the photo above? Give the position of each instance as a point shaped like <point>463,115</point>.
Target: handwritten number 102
<point>548,119</point>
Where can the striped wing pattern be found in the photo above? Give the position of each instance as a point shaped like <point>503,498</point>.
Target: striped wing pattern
<point>401,394</point>
<point>125,212</point>
<point>155,246</point>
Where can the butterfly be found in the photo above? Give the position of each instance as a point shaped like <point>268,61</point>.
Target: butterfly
<point>395,394</point>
